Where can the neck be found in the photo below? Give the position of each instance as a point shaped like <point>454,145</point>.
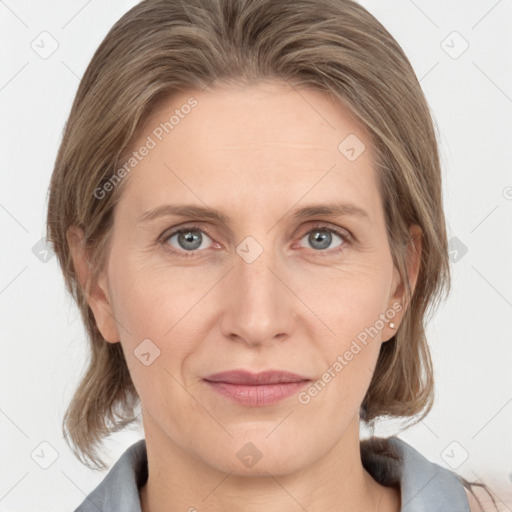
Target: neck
<point>336,481</point>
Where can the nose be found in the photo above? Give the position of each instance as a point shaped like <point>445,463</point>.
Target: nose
<point>259,306</point>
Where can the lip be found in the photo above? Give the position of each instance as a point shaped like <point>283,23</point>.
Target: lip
<point>256,389</point>
<point>249,378</point>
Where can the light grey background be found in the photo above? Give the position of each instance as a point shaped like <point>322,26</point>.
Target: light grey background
<point>42,339</point>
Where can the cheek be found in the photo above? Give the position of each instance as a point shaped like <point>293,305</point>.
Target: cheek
<point>157,340</point>
<point>349,349</point>
<point>151,299</point>
<point>153,306</point>
<point>158,302</point>
<point>350,305</point>
<point>347,299</point>
<point>175,306</point>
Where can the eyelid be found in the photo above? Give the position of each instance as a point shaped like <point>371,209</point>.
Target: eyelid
<point>340,231</point>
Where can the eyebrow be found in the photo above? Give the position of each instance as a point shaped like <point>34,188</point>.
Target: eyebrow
<point>200,212</point>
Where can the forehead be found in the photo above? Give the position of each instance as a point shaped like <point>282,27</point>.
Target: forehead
<point>268,143</point>
<point>270,113</point>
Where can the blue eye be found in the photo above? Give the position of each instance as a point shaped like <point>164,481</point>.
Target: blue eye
<point>321,238</point>
<point>190,240</point>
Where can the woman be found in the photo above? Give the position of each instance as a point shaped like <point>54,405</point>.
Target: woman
<point>247,207</point>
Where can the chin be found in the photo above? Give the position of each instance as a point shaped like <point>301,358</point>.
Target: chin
<point>257,455</point>
<point>275,465</point>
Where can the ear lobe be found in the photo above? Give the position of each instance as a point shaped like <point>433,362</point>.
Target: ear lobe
<point>96,292</point>
<point>413,266</point>
<point>413,261</point>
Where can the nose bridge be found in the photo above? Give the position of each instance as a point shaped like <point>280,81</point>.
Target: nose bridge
<point>255,278</point>
<point>259,305</point>
<point>257,283</point>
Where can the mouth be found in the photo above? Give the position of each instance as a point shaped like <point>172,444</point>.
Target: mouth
<point>256,389</point>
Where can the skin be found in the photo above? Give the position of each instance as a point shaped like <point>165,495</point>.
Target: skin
<point>256,153</point>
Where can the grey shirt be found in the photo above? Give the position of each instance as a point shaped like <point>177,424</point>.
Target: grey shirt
<point>424,485</point>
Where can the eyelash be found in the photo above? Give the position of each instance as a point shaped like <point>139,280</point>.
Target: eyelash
<point>343,234</point>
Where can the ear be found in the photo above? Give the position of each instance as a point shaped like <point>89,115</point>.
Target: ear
<point>96,293</point>
<point>413,266</point>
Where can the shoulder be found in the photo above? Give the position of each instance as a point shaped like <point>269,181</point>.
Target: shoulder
<point>420,479</point>
<point>121,484</point>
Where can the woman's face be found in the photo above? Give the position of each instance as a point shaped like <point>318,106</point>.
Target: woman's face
<point>258,281</point>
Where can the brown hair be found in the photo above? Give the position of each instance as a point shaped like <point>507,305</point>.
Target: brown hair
<point>164,46</point>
